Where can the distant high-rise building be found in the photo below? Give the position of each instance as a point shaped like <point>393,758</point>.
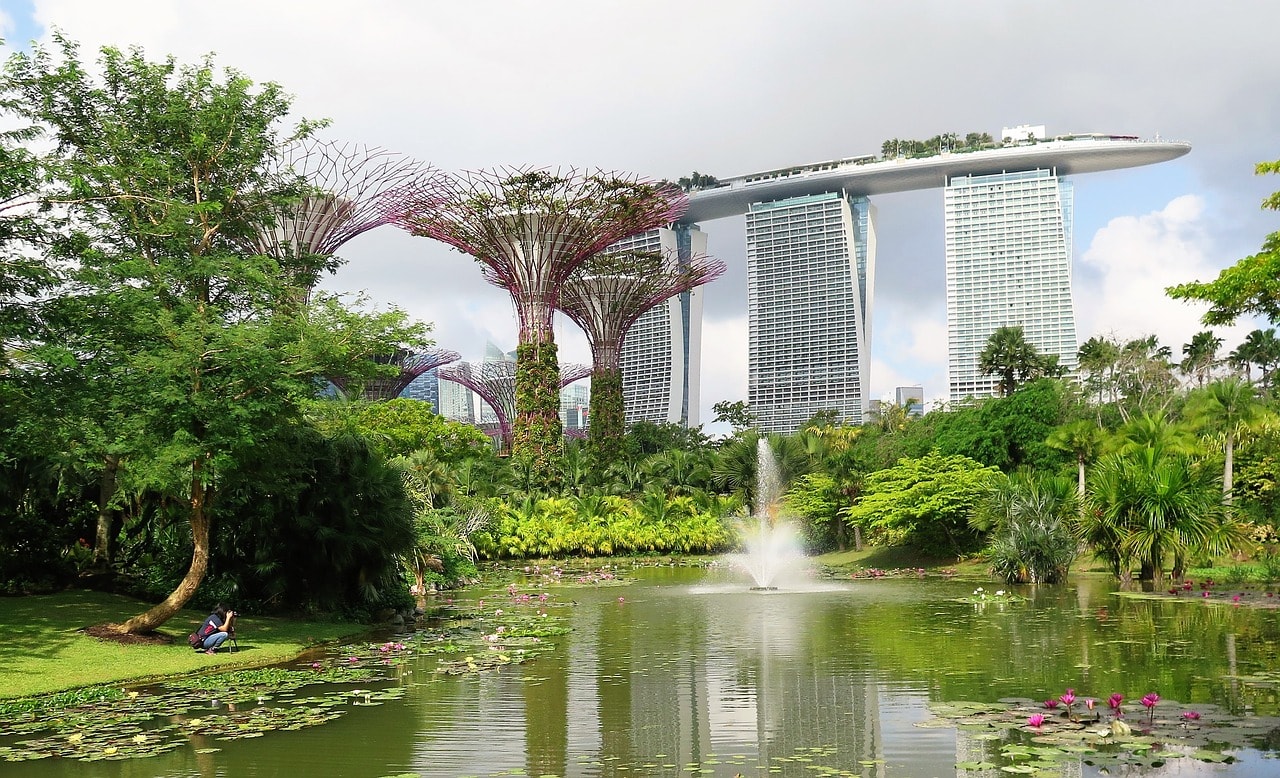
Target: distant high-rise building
<point>455,401</point>
<point>425,387</point>
<point>810,266</point>
<point>1008,258</point>
<point>575,402</point>
<point>662,352</point>
<point>910,399</point>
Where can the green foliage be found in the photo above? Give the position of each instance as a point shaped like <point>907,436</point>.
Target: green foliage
<point>608,417</point>
<point>1009,355</point>
<point>400,427</point>
<point>1007,432</point>
<point>924,502</point>
<point>314,524</point>
<point>603,525</point>
<point>1251,286</point>
<point>537,441</point>
<point>1031,518</point>
<point>818,500</point>
<point>737,414</point>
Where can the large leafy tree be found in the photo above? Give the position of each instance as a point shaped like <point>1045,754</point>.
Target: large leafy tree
<point>161,170</point>
<point>1250,286</point>
<point>924,502</point>
<point>1200,356</point>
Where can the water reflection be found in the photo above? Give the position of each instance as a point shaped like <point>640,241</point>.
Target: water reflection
<point>694,675</point>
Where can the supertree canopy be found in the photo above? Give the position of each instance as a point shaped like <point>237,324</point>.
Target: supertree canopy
<point>495,382</point>
<point>604,296</point>
<point>530,229</point>
<point>411,364</point>
<point>348,189</point>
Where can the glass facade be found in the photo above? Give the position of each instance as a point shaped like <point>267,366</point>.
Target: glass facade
<point>810,266</point>
<point>662,352</point>
<point>1008,256</point>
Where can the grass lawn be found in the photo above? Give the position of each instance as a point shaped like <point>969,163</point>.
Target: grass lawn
<point>42,651</point>
<point>898,558</point>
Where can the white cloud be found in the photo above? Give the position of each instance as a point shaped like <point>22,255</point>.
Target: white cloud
<point>1134,259</point>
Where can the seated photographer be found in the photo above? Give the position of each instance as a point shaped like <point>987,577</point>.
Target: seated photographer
<point>217,628</point>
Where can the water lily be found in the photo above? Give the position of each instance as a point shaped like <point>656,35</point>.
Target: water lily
<point>1114,702</point>
<point>1000,593</point>
<point>1035,720</point>
<point>139,739</point>
<point>1068,698</point>
<point>1051,703</point>
<point>1149,702</point>
<point>1190,715</point>
<point>78,736</point>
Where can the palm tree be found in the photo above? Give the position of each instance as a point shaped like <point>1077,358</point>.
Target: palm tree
<point>1230,407</point>
<point>1149,503</point>
<point>1031,517</point>
<point>1098,357</point>
<point>1012,357</point>
<point>1083,440</point>
<point>1200,356</point>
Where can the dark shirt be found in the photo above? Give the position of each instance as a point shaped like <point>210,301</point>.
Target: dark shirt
<point>210,625</point>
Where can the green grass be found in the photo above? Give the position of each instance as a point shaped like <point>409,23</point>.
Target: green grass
<point>895,558</point>
<point>43,651</point>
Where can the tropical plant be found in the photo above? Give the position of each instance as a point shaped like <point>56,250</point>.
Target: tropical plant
<point>1009,355</point>
<point>1230,408</point>
<point>1031,520</point>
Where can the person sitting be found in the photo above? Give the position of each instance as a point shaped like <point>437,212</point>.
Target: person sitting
<point>217,628</point>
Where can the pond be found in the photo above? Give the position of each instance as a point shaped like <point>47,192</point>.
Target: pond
<point>684,671</point>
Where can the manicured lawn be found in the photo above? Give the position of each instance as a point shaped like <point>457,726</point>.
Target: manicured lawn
<point>42,651</point>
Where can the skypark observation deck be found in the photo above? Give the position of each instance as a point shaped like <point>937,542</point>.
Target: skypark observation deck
<point>862,176</point>
<point>811,256</point>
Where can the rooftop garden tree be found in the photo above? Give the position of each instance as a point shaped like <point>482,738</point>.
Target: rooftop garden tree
<point>409,365</point>
<point>530,229</point>
<point>605,296</point>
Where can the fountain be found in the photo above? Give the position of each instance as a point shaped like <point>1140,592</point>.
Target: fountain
<point>773,546</point>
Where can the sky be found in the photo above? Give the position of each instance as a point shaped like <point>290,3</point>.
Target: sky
<point>663,88</point>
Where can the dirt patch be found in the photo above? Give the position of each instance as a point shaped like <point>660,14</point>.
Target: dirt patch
<point>112,633</point>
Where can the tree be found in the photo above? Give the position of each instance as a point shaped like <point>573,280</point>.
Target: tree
<point>1030,517</point>
<point>1014,359</point>
<point>1200,356</point>
<point>1082,439</point>
<point>163,172</point>
<point>1250,286</point>
<point>924,502</point>
<point>737,414</point>
<point>1097,359</point>
<point>1230,408</point>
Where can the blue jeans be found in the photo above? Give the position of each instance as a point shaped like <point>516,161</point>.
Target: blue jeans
<point>215,640</point>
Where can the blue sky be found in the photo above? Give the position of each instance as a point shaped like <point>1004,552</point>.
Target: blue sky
<point>664,88</point>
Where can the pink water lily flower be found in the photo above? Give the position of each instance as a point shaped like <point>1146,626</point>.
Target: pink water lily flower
<point>1069,697</point>
<point>1051,703</point>
<point>1190,715</point>
<point>1089,703</point>
<point>1035,720</point>
<point>1150,700</point>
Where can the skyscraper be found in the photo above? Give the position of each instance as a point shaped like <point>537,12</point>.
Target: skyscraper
<point>810,266</point>
<point>662,352</point>
<point>1008,263</point>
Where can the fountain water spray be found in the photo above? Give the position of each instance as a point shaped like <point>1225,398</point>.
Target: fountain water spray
<point>773,547</point>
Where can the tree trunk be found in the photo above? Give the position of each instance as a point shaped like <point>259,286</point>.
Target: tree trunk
<point>857,538</point>
<point>149,621</point>
<point>102,540</point>
<point>1228,474</point>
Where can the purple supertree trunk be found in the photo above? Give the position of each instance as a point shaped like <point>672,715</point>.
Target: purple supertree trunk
<point>530,229</point>
<point>411,366</point>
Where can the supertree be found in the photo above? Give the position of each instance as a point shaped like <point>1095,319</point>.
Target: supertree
<point>495,382</point>
<point>605,296</point>
<point>411,364</point>
<point>530,229</point>
<point>348,189</point>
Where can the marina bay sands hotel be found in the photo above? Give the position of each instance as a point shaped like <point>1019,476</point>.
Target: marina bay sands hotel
<point>811,257</point>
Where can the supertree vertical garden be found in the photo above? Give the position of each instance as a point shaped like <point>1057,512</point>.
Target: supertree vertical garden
<point>604,296</point>
<point>411,364</point>
<point>348,189</point>
<point>495,383</point>
<point>530,229</point>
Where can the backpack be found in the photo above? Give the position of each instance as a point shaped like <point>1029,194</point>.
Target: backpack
<point>195,640</point>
